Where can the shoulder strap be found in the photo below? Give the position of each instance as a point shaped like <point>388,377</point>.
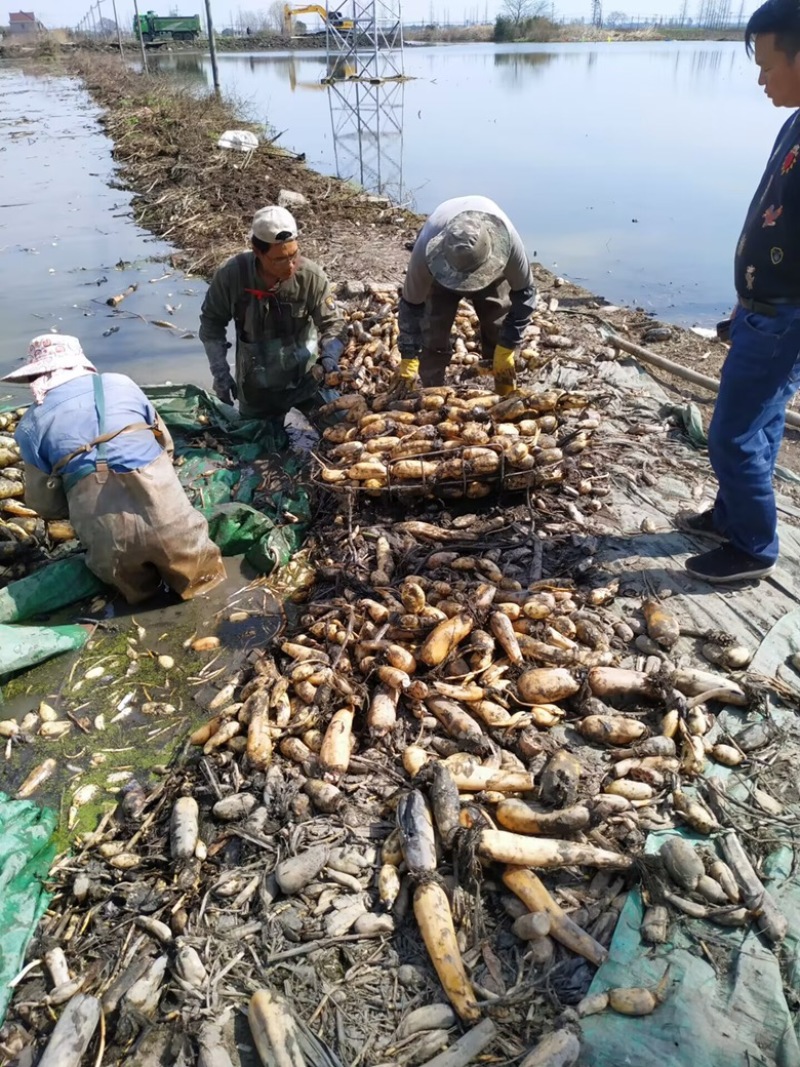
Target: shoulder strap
<point>243,263</point>
<point>101,463</point>
<point>100,442</point>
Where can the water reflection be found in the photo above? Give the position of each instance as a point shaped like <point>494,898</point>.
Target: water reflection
<point>617,149</point>
<point>517,67</point>
<point>709,66</point>
<point>367,129</point>
<point>332,69</point>
<point>186,67</point>
<point>366,123</point>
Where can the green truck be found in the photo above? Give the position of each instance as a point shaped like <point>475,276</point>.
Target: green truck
<point>153,27</point>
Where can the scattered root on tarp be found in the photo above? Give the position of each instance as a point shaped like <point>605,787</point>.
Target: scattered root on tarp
<point>438,747</point>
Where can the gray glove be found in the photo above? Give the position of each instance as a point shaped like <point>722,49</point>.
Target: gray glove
<point>225,388</point>
<point>330,355</point>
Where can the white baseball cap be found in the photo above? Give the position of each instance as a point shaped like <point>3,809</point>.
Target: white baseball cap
<point>274,224</point>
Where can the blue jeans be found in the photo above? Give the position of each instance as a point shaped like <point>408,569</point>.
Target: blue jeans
<point>759,377</point>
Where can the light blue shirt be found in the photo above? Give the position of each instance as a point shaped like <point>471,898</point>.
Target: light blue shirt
<point>67,419</point>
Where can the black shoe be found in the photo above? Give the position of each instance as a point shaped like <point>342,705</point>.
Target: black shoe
<point>700,523</point>
<point>727,564</point>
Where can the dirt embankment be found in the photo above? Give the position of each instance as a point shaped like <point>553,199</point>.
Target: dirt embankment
<point>202,198</point>
<point>58,43</point>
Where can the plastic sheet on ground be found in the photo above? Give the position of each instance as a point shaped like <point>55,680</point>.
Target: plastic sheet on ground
<point>220,479</point>
<point>692,419</point>
<point>26,852</point>
<point>24,646</point>
<point>742,1008</point>
<point>732,1012</point>
<point>45,589</point>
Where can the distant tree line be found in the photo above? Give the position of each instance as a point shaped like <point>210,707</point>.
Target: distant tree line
<point>524,20</point>
<point>710,15</point>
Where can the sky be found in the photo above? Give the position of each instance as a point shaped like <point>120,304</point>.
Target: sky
<point>69,12</point>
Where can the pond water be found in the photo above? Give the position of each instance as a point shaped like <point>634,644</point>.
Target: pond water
<point>622,165</point>
<point>68,243</point>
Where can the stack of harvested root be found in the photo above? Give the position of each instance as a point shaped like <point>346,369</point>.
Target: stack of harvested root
<point>23,535</point>
<point>462,441</point>
<point>371,356</point>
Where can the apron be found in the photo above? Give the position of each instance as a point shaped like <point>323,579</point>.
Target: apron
<point>276,347</point>
<point>138,527</point>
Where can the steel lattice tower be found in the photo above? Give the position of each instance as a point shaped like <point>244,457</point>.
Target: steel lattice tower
<point>366,89</point>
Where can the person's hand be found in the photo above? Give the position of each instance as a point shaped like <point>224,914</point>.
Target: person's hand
<point>404,378</point>
<point>329,363</point>
<point>225,388</point>
<point>505,373</point>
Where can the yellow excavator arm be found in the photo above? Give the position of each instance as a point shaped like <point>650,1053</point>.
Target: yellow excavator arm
<point>332,18</point>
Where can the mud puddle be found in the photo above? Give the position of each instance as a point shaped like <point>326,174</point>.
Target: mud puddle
<point>129,699</point>
<point>68,242</point>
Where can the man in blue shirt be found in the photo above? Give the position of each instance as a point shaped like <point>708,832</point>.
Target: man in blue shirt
<point>762,370</point>
<point>95,450</point>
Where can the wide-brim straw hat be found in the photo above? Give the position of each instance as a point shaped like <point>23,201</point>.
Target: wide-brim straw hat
<point>50,352</point>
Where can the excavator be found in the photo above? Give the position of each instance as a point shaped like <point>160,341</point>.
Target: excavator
<point>335,19</point>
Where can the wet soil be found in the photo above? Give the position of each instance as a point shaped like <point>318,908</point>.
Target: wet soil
<point>133,716</point>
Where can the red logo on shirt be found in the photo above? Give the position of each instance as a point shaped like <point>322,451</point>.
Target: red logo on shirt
<point>771,215</point>
<point>260,294</point>
<point>791,159</point>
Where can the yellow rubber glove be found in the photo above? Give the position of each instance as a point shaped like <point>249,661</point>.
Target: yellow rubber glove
<point>405,376</point>
<point>505,373</point>
<point>408,369</point>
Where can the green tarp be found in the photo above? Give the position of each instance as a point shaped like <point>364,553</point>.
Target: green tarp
<point>45,589</point>
<point>27,851</point>
<point>219,478</point>
<point>217,455</point>
<point>23,646</point>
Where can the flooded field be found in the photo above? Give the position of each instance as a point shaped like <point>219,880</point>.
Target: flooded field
<point>69,243</point>
<point>612,159</point>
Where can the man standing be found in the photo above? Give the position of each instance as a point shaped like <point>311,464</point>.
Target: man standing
<point>466,249</point>
<point>289,332</point>
<point>761,372</point>
<point>96,450</point>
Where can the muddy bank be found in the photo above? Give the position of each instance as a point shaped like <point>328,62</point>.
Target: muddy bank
<point>203,199</point>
